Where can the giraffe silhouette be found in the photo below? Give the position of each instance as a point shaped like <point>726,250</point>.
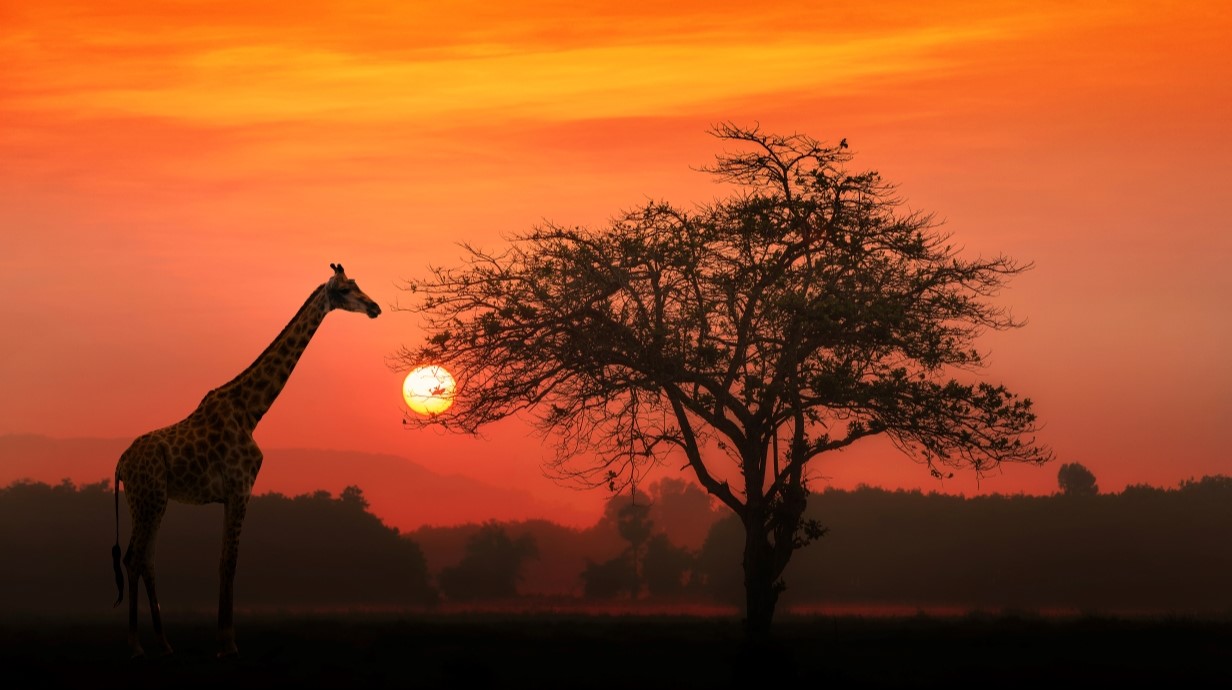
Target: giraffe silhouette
<point>210,457</point>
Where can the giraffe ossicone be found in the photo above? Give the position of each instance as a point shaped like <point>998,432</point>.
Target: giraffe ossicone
<point>210,457</point>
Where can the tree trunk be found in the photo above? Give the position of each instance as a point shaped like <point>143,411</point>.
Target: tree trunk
<point>760,587</point>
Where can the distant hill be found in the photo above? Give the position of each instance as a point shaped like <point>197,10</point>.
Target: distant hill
<point>402,493</point>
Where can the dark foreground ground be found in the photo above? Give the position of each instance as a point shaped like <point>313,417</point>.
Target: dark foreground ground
<point>575,651</point>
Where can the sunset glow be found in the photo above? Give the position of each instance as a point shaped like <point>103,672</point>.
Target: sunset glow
<point>175,181</point>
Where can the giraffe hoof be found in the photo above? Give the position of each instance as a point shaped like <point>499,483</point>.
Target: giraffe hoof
<point>135,654</point>
<point>226,653</point>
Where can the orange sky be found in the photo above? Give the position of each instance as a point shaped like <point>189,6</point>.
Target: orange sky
<point>176,177</point>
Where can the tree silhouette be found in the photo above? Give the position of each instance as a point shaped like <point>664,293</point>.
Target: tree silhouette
<point>1076,480</point>
<point>491,567</point>
<point>353,496</point>
<point>651,562</point>
<point>609,579</point>
<point>678,507</point>
<point>665,567</point>
<point>796,316</point>
<point>623,573</point>
<point>683,510</point>
<point>633,523</point>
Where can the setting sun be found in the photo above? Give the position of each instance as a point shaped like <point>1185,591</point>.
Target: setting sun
<point>429,390</point>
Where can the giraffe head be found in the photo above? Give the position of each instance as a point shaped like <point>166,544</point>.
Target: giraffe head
<point>345,294</point>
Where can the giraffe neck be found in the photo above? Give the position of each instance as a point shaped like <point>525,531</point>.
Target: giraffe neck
<point>257,387</point>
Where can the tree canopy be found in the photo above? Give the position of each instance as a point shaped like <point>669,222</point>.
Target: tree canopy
<point>803,312</point>
<point>1075,479</point>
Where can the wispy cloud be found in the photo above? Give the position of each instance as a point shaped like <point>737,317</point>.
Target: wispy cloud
<point>242,69</point>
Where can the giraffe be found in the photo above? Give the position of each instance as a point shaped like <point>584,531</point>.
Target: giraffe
<point>210,457</point>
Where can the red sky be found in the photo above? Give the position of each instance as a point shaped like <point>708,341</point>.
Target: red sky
<point>175,179</point>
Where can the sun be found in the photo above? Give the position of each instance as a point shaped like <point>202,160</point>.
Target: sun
<point>429,390</point>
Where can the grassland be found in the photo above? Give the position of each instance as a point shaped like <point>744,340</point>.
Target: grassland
<point>548,650</point>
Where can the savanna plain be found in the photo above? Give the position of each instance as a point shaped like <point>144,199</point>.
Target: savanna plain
<point>427,649</point>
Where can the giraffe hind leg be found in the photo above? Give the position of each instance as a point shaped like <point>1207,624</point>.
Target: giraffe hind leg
<point>134,574</point>
<point>139,561</point>
<point>155,612</point>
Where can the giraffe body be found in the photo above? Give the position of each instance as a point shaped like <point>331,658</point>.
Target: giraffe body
<point>210,457</point>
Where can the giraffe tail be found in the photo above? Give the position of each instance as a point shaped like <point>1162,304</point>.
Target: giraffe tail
<point>115,550</point>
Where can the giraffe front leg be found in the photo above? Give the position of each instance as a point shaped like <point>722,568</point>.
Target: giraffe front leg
<point>233,522</point>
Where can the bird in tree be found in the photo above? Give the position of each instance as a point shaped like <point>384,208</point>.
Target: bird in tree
<point>799,315</point>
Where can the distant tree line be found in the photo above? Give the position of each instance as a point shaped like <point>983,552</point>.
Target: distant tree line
<point>313,550</point>
<point>1145,548</point>
<point>642,546</point>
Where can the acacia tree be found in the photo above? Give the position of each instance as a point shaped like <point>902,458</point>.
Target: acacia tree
<point>796,316</point>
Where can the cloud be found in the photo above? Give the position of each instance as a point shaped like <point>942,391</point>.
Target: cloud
<point>542,62</point>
